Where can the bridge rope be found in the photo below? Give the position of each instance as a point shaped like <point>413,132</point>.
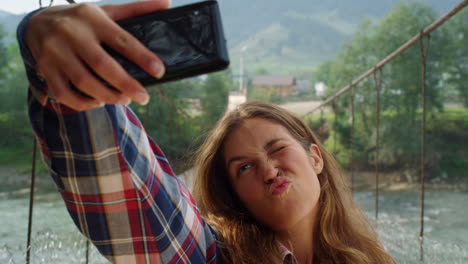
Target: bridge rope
<point>335,126</point>
<point>351,138</point>
<point>322,125</point>
<point>378,88</point>
<point>424,48</point>
<point>173,104</point>
<point>31,201</point>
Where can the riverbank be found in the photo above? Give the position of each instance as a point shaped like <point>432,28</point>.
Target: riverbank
<point>15,182</point>
<point>402,181</point>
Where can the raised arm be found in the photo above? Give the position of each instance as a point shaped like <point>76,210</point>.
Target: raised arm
<point>116,183</point>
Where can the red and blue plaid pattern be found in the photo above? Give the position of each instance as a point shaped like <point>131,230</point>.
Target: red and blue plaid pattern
<point>119,188</point>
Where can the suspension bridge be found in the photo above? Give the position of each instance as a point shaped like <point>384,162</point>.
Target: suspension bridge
<point>376,76</point>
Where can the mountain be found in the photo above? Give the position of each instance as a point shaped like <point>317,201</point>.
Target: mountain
<point>284,36</point>
<point>4,14</point>
<point>9,22</point>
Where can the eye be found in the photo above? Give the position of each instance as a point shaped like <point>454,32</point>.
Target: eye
<point>243,168</point>
<point>278,149</point>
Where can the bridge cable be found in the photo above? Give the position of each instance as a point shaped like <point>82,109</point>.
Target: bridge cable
<point>378,88</point>
<point>322,125</point>
<point>424,48</point>
<point>335,126</point>
<point>87,251</point>
<point>351,139</point>
<point>31,202</point>
<point>173,104</point>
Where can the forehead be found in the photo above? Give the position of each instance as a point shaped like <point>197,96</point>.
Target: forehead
<point>252,135</point>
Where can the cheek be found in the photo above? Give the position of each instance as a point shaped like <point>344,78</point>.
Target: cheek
<point>311,190</point>
<point>314,189</point>
<point>311,183</point>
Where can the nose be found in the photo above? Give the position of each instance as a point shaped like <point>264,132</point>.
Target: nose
<point>269,172</point>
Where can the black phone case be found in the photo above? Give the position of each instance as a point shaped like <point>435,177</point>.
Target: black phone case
<point>188,39</point>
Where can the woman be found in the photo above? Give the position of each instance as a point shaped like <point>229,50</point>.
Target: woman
<point>283,188</point>
<point>267,191</point>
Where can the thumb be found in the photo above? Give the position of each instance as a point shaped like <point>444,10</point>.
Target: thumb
<point>117,12</point>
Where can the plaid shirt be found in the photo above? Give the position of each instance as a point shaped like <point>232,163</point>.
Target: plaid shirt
<point>116,182</point>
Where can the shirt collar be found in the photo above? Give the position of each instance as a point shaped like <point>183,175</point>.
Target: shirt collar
<point>286,255</point>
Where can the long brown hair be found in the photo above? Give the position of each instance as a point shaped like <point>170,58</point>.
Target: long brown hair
<point>344,235</point>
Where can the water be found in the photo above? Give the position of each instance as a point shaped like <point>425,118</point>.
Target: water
<point>445,225</point>
<point>56,240</point>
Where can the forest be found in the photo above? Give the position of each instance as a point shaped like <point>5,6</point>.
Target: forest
<point>400,96</point>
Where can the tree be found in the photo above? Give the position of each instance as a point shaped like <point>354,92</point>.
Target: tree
<point>171,129</point>
<point>177,133</point>
<point>215,96</point>
<point>3,53</point>
<point>457,55</point>
<point>401,87</point>
<point>14,126</point>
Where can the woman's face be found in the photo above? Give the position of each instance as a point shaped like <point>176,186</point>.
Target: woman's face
<point>272,174</point>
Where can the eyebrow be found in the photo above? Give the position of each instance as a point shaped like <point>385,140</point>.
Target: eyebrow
<point>267,146</point>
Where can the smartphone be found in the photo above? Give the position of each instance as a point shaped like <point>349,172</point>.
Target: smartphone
<point>188,39</point>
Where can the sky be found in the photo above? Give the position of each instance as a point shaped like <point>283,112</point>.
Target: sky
<point>24,6</point>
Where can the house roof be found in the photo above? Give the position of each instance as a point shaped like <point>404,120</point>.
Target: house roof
<point>274,80</point>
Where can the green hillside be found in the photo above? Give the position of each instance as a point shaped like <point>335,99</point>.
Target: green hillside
<point>295,42</point>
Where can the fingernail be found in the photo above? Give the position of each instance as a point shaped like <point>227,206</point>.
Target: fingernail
<point>142,97</point>
<point>157,69</point>
<point>125,101</point>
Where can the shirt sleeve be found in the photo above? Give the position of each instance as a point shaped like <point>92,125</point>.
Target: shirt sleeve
<point>116,182</point>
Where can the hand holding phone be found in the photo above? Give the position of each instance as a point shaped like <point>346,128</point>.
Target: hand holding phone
<point>65,42</point>
<point>188,39</point>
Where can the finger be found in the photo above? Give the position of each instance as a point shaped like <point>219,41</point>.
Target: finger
<point>83,79</point>
<point>127,45</point>
<point>108,69</point>
<point>86,82</point>
<point>59,87</point>
<point>97,59</point>
<point>116,12</point>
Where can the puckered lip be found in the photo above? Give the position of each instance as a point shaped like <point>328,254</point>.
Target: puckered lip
<point>279,186</point>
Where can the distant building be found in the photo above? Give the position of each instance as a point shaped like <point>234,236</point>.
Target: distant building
<point>303,86</point>
<point>320,88</point>
<point>281,85</point>
<point>235,99</point>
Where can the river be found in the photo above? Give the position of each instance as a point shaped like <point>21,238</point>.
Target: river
<point>55,239</point>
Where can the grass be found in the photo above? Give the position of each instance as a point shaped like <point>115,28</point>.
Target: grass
<point>21,158</point>
<point>446,136</point>
<point>16,155</point>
